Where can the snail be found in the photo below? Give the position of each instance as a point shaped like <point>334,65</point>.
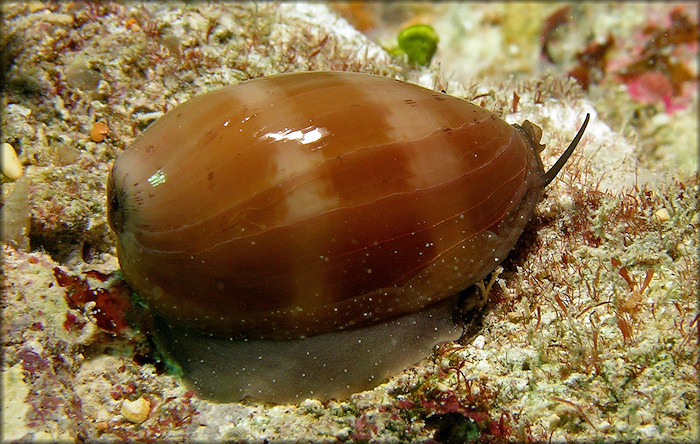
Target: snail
<point>305,234</point>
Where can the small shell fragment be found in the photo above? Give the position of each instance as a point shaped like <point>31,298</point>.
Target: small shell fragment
<point>662,215</point>
<point>11,166</point>
<point>99,131</point>
<point>136,411</point>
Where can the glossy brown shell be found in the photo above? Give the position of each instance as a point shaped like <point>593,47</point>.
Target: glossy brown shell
<point>303,203</point>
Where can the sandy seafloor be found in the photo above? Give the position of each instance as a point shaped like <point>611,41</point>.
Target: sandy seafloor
<point>590,332</point>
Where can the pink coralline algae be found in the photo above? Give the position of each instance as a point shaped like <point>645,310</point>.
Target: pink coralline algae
<point>657,70</point>
<point>653,87</point>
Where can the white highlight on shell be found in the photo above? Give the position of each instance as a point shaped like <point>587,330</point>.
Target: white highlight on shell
<point>158,178</point>
<point>305,136</point>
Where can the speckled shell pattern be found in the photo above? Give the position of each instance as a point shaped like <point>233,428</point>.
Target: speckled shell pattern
<point>303,203</point>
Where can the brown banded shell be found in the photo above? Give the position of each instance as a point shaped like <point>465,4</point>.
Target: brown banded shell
<point>299,204</point>
<point>302,203</point>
